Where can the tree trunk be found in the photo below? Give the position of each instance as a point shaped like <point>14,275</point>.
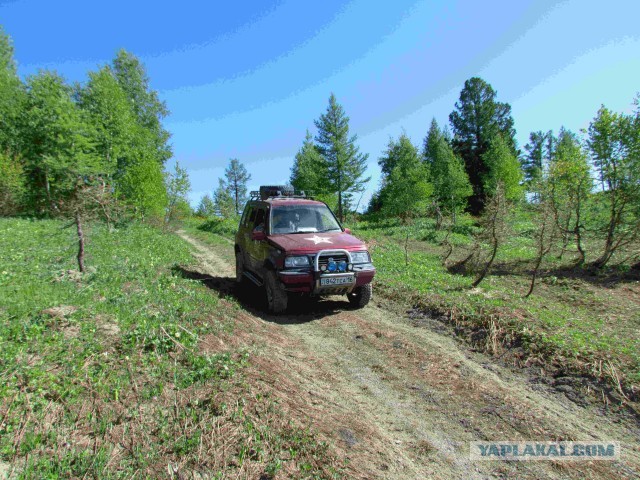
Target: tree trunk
<point>80,242</point>
<point>438,217</point>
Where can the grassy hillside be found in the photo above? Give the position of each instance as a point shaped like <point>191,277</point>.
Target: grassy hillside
<point>575,320</point>
<point>128,370</point>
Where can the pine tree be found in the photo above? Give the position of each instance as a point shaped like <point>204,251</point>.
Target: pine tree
<point>345,164</point>
<point>237,179</point>
<point>477,119</point>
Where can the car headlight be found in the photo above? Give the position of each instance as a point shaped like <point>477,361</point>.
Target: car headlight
<point>292,262</point>
<point>360,257</point>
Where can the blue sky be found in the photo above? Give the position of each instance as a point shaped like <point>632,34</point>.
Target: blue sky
<point>246,79</point>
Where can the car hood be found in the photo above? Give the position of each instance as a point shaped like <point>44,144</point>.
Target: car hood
<point>314,242</point>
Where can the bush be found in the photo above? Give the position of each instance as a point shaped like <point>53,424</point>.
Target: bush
<point>222,226</point>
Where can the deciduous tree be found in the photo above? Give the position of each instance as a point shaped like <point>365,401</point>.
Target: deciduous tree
<point>614,142</point>
<point>570,185</point>
<point>223,201</point>
<point>178,186</point>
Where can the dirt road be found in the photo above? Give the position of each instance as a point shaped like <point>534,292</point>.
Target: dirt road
<point>400,397</point>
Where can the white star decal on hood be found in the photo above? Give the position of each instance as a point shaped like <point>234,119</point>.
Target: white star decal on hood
<point>316,239</point>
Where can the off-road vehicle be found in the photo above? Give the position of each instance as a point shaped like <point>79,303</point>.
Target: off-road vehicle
<point>291,244</point>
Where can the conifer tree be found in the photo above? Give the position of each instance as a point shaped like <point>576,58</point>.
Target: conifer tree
<point>237,178</point>
<point>476,120</point>
<point>345,164</point>
<point>450,181</point>
<point>309,172</point>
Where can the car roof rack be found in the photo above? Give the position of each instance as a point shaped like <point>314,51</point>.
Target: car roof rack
<point>267,193</point>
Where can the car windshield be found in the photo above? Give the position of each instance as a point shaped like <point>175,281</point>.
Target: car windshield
<point>302,219</point>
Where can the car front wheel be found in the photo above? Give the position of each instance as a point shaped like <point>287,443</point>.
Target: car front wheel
<point>277,298</point>
<point>239,268</point>
<point>360,296</point>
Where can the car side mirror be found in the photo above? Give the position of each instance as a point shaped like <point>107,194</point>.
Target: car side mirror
<point>258,234</point>
<point>347,230</point>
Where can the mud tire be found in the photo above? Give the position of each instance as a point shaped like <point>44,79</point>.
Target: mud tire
<point>240,278</point>
<point>360,296</point>
<point>277,298</point>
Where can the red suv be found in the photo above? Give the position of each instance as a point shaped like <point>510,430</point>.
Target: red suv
<point>291,244</point>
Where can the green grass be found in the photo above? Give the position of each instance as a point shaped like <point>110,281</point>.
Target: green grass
<point>577,322</point>
<point>114,382</point>
<point>572,319</point>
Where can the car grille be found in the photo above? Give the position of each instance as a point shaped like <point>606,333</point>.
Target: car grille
<point>337,257</point>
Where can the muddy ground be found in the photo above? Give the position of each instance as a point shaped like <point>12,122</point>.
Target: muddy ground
<point>399,396</point>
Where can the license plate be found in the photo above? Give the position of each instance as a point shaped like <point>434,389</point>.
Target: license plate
<point>329,281</point>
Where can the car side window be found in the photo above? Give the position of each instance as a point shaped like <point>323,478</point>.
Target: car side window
<point>252,217</point>
<point>245,215</point>
<point>260,218</point>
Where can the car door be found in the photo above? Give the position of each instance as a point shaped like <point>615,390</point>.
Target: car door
<point>256,249</point>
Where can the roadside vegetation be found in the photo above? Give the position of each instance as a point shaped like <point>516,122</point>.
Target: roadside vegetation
<point>128,369</point>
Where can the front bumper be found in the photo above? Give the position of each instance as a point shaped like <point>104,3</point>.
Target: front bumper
<point>310,280</point>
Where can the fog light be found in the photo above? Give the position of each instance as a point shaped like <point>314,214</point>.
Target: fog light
<point>350,267</point>
<point>323,268</point>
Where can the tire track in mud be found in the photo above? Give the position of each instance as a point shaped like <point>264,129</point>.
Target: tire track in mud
<point>419,395</point>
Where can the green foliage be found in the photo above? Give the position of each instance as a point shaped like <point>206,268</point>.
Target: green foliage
<point>223,201</point>
<point>345,165</point>
<point>406,189</point>
<point>12,185</point>
<point>143,188</point>
<point>237,178</point>
<point>309,171</point>
<point>450,180</point>
<point>570,186</point>
<point>147,108</point>
<point>178,186</point>
<point>58,145</point>
<point>206,207</point>
<point>109,111</point>
<point>12,97</point>
<point>476,121</point>
<point>502,167</point>
<point>540,151</point>
<point>226,226</point>
<point>614,142</point>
